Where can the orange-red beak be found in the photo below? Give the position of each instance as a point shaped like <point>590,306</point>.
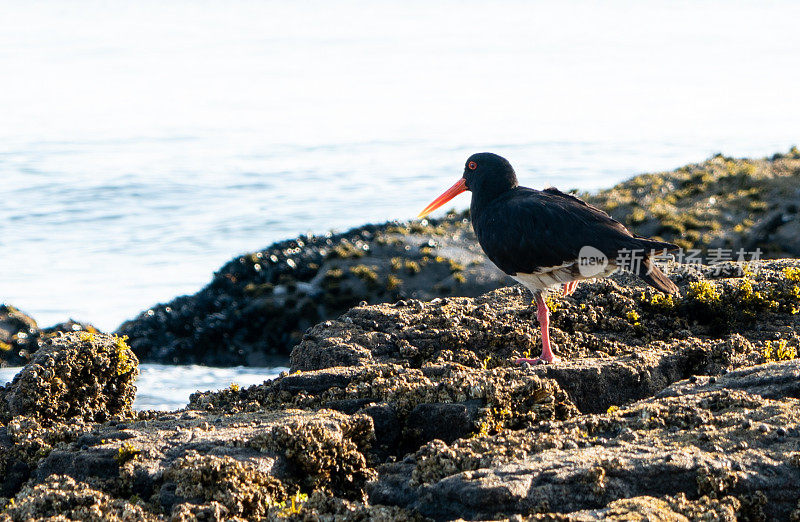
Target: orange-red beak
<point>452,192</point>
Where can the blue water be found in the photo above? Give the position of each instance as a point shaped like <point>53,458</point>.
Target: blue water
<point>166,387</point>
<point>143,144</point>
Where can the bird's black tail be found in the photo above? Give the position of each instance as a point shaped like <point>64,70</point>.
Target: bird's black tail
<point>654,277</point>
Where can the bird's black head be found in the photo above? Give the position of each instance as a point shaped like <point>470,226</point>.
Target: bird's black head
<point>488,175</point>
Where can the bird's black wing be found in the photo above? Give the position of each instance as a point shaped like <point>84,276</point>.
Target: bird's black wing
<point>526,230</point>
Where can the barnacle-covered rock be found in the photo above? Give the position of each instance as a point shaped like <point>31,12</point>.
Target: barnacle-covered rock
<point>74,380</point>
<point>224,486</point>
<point>718,444</point>
<point>723,202</point>
<point>62,498</point>
<point>83,375</point>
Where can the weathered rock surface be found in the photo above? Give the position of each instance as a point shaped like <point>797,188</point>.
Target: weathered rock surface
<point>718,442</point>
<point>662,408</point>
<point>200,464</point>
<point>621,340</point>
<point>62,498</point>
<point>722,441</point>
<point>89,376</point>
<point>71,447</point>
<point>73,380</point>
<point>258,305</point>
<point>199,457</point>
<point>401,400</point>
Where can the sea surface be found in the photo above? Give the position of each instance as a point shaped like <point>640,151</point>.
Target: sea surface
<point>143,144</point>
<point>166,387</point>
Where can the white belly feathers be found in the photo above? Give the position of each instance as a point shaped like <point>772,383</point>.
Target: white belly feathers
<point>552,277</point>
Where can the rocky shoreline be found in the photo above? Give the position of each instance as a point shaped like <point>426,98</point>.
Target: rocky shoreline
<point>414,410</point>
<point>402,403</point>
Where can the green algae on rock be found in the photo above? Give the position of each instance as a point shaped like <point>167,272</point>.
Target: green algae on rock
<point>83,375</point>
<point>72,381</point>
<point>455,351</point>
<point>405,404</point>
<point>667,408</point>
<point>89,376</point>
<point>189,464</point>
<point>666,342</point>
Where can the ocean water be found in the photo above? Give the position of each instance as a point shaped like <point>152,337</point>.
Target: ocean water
<point>143,144</point>
<point>166,387</point>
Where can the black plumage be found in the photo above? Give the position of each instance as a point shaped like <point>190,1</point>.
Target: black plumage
<point>527,231</point>
<point>539,236</point>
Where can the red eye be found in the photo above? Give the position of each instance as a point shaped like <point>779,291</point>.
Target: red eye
<point>472,165</point>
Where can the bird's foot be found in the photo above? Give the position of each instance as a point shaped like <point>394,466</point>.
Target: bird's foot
<point>569,288</point>
<point>539,360</point>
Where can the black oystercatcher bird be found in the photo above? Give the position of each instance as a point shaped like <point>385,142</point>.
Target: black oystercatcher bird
<point>545,239</point>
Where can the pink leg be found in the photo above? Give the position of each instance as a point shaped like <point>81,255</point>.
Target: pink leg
<point>569,288</point>
<point>543,315</point>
